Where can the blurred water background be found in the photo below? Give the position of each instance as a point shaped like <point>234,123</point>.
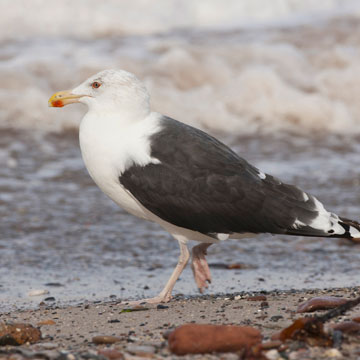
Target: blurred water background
<point>279,81</point>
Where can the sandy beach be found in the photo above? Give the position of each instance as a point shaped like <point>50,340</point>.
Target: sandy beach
<point>71,332</point>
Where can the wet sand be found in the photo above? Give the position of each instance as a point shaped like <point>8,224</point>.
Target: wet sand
<point>58,228</point>
<point>141,333</point>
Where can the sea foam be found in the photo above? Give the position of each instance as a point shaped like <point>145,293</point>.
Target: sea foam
<point>241,68</point>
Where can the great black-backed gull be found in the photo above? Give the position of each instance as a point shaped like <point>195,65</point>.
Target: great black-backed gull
<point>194,186</point>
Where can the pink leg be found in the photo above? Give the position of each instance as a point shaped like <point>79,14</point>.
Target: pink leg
<point>165,295</point>
<point>200,266</point>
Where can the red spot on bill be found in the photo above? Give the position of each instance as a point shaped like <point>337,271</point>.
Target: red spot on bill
<point>57,103</point>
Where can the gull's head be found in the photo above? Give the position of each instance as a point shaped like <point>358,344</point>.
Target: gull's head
<point>107,91</point>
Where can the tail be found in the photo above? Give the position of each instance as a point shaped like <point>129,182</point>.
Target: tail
<point>352,229</point>
<point>340,228</point>
<point>323,223</point>
<point>291,211</point>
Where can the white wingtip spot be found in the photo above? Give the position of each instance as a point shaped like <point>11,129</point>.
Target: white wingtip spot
<point>326,221</point>
<point>306,197</point>
<point>222,237</point>
<point>354,233</point>
<point>298,224</point>
<point>155,161</point>
<point>261,175</point>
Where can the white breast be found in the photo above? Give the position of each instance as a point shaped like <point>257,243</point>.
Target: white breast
<point>109,146</point>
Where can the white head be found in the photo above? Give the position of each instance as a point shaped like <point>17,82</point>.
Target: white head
<point>109,91</point>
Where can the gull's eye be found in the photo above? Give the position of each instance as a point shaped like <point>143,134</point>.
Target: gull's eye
<point>95,85</point>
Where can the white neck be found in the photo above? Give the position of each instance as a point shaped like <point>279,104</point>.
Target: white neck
<point>116,140</point>
<point>111,144</point>
<point>119,120</point>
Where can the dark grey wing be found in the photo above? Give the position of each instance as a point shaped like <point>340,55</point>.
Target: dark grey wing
<point>202,185</point>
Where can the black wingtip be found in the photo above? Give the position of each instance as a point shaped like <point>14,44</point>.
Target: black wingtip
<point>348,224</point>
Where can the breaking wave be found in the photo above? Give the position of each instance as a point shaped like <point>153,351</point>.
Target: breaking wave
<point>243,68</point>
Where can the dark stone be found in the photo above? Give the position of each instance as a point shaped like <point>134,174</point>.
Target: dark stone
<point>160,307</point>
<point>276,318</point>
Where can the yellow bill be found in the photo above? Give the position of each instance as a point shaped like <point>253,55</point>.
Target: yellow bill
<point>62,98</point>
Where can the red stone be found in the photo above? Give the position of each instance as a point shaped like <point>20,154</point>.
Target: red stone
<point>348,327</point>
<point>105,339</point>
<point>202,339</point>
<point>321,303</point>
<point>18,334</point>
<point>46,322</point>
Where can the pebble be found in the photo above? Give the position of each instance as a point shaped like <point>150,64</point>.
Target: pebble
<point>271,344</point>
<point>347,327</point>
<point>111,354</point>
<point>47,354</point>
<point>276,318</point>
<point>140,350</point>
<point>237,266</point>
<point>294,355</point>
<point>135,308</point>
<point>46,322</point>
<point>18,334</point>
<point>273,355</point>
<point>333,353</point>
<point>203,338</point>
<point>54,284</point>
<point>47,345</point>
<point>321,303</point>
<point>38,292</point>
<point>160,307</point>
<point>104,339</point>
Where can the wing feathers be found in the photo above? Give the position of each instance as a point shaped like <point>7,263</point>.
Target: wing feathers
<point>202,185</point>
